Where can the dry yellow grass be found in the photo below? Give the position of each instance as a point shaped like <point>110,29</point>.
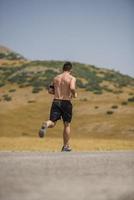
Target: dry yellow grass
<point>91,129</point>
<point>54,144</point>
<point>13,63</point>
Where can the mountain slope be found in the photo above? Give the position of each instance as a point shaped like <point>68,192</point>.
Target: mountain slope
<point>39,74</point>
<point>8,54</point>
<point>4,49</point>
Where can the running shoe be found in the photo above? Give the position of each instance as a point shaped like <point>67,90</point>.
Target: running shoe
<point>42,131</point>
<point>67,149</point>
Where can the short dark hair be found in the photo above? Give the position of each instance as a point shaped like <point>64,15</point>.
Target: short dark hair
<point>67,66</point>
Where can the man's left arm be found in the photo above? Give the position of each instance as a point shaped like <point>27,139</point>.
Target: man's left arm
<point>73,87</point>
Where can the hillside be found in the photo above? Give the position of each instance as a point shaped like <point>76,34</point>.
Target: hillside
<point>103,111</point>
<point>8,54</point>
<point>15,69</point>
<point>4,49</point>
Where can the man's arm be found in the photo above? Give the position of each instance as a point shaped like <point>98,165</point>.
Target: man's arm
<point>51,89</point>
<point>73,87</point>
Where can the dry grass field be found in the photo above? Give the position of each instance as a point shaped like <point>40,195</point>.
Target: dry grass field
<point>103,118</point>
<point>92,127</point>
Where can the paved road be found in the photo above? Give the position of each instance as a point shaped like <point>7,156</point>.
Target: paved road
<point>67,176</point>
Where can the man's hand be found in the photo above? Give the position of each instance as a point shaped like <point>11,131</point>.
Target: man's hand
<point>51,89</point>
<point>75,95</point>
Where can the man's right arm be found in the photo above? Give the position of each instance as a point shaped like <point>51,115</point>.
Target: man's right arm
<point>51,89</point>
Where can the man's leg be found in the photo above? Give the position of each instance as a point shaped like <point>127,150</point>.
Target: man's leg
<point>45,125</point>
<point>66,134</point>
<point>49,124</point>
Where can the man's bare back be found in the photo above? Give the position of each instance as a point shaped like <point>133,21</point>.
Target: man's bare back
<point>64,84</point>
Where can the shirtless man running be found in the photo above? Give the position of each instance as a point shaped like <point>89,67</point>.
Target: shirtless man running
<point>63,89</point>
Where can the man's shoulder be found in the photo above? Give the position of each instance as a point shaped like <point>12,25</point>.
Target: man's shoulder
<point>72,77</point>
<point>57,77</point>
<point>62,76</point>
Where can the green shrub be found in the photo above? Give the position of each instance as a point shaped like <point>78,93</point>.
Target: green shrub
<point>2,84</point>
<point>2,55</point>
<point>114,107</point>
<point>131,99</point>
<point>50,74</point>
<point>96,107</point>
<point>19,78</point>
<point>24,85</point>
<point>83,71</point>
<point>7,97</point>
<point>107,89</point>
<point>83,99</point>
<point>93,85</point>
<point>124,103</point>
<point>109,112</point>
<point>36,89</point>
<point>119,79</point>
<point>80,84</point>
<point>98,92</point>
<point>5,73</point>
<point>131,93</point>
<point>31,101</point>
<point>118,92</point>
<point>12,90</point>
<point>14,56</point>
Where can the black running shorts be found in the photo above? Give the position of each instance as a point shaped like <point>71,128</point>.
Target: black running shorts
<point>61,109</point>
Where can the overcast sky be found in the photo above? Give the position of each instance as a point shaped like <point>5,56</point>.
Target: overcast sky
<point>99,32</point>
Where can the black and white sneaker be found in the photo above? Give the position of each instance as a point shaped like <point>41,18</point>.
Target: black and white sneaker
<point>42,131</point>
<point>67,149</point>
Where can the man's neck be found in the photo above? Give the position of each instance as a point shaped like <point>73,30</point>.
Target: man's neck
<point>66,72</point>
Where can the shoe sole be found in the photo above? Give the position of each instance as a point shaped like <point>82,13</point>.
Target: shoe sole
<point>41,133</point>
<point>66,150</point>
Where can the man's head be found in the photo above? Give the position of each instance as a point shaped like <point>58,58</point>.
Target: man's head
<point>67,66</point>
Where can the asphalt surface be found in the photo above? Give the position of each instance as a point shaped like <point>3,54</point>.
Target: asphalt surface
<point>67,176</point>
